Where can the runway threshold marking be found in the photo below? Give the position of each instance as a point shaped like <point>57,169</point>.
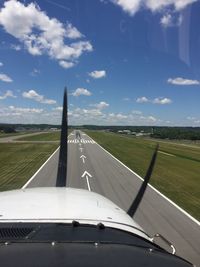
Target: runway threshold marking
<point>87,175</point>
<point>81,141</point>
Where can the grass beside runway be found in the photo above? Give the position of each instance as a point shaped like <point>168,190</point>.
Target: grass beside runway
<point>177,170</point>
<point>51,136</point>
<point>18,162</point>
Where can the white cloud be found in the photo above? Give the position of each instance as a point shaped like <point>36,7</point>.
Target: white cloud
<point>5,78</point>
<point>41,34</point>
<point>151,118</point>
<point>1,64</point>
<point>81,91</point>
<point>92,112</point>
<point>126,99</point>
<point>66,64</point>
<point>157,100</point>
<point>191,118</point>
<point>35,72</point>
<point>166,20</point>
<point>7,94</point>
<point>137,112</point>
<point>162,100</point>
<point>100,105</point>
<point>97,74</point>
<point>32,94</point>
<point>132,6</point>
<point>58,108</point>
<point>155,5</point>
<point>182,81</point>
<point>72,32</point>
<point>25,110</point>
<point>169,20</point>
<point>129,6</point>
<point>16,47</point>
<point>142,99</point>
<point>171,7</point>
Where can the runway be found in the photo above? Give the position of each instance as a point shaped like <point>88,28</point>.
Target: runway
<point>91,167</point>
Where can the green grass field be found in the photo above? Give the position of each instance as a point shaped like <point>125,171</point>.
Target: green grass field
<point>52,136</point>
<point>18,162</point>
<point>176,174</point>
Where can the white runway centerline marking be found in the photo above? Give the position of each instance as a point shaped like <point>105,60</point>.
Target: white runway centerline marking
<point>83,157</point>
<point>87,175</point>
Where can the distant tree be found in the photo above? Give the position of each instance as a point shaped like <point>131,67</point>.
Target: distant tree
<point>9,130</point>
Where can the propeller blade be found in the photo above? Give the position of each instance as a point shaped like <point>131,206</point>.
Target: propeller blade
<point>133,208</point>
<point>62,163</point>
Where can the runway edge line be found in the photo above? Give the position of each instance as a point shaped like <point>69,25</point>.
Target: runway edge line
<point>158,192</point>
<point>28,182</point>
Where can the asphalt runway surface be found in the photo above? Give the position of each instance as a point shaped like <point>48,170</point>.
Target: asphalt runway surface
<point>14,138</point>
<point>108,177</point>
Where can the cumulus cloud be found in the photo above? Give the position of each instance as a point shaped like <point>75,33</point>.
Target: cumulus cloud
<point>191,118</point>
<point>97,74</point>
<point>58,108</point>
<point>137,112</point>
<point>32,94</point>
<point>100,105</point>
<point>81,91</point>
<point>15,47</point>
<point>132,6</point>
<point>66,64</point>
<point>169,20</point>
<point>24,110</point>
<point>1,64</point>
<point>168,8</point>
<point>142,99</point>
<point>72,32</point>
<point>7,94</point>
<point>129,6</point>
<point>182,81</point>
<point>126,99</point>
<point>35,72</point>
<point>157,100</point>
<point>77,116</point>
<point>41,34</point>
<point>162,100</point>
<point>166,20</point>
<point>5,78</point>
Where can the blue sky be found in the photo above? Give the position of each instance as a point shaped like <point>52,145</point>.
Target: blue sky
<point>124,62</point>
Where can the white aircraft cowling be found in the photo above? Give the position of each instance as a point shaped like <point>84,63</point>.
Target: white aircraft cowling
<point>53,204</point>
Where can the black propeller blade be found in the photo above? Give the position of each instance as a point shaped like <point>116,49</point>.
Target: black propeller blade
<point>133,208</point>
<point>62,163</point>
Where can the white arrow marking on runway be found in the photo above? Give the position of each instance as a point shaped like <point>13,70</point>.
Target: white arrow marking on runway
<point>87,175</point>
<point>83,157</point>
<point>81,149</point>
